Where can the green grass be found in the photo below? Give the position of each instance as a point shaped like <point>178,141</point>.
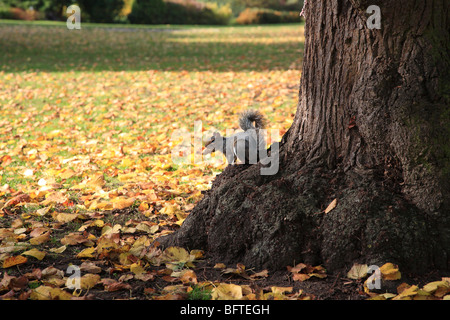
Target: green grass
<point>50,46</point>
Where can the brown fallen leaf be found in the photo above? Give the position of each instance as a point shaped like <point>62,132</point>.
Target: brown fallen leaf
<point>45,237</point>
<point>16,200</point>
<point>114,285</point>
<point>302,272</point>
<point>90,267</point>
<point>73,238</point>
<point>14,261</point>
<point>188,277</point>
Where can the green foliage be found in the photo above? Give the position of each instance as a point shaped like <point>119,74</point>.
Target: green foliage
<point>262,16</point>
<point>94,11</point>
<point>103,11</point>
<point>199,293</point>
<point>148,12</point>
<point>281,5</point>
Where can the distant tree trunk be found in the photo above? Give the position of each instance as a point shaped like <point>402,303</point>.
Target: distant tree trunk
<point>371,130</point>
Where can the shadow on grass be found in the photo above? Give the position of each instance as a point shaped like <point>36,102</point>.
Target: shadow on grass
<point>54,48</point>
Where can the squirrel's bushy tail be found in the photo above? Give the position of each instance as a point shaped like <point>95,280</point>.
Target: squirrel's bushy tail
<point>247,118</point>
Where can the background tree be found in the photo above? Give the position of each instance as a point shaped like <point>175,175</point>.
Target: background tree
<point>371,130</point>
<point>147,11</point>
<point>102,11</point>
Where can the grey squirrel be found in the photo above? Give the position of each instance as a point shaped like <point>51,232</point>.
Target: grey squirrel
<point>247,146</point>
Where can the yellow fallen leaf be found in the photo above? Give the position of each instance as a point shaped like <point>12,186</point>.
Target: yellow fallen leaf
<point>58,250</point>
<point>49,293</point>
<point>43,211</point>
<point>390,271</point>
<point>433,286</point>
<point>123,203</point>
<point>97,180</point>
<point>126,176</point>
<point>407,293</point>
<point>64,217</point>
<point>35,253</point>
<point>175,254</point>
<point>143,206</point>
<point>89,280</point>
<point>357,271</point>
<point>281,290</point>
<point>87,253</point>
<point>107,229</point>
<point>227,291</point>
<point>66,173</point>
<point>146,228</point>
<point>136,268</point>
<point>438,288</point>
<point>127,162</point>
<point>169,209</point>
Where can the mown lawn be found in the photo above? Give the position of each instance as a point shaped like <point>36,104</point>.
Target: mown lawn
<point>86,124</point>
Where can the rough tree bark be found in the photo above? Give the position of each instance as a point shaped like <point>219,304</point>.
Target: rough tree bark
<point>371,130</point>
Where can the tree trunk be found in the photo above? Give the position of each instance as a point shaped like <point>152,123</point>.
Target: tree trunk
<point>371,130</point>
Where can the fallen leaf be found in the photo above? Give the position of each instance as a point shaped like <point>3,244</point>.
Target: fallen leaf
<point>188,277</point>
<point>35,253</point>
<point>58,250</point>
<point>358,271</point>
<point>87,253</point>
<point>407,293</point>
<point>390,271</point>
<point>117,286</point>
<point>331,206</point>
<point>66,174</point>
<point>14,261</point>
<point>65,217</point>
<point>137,269</point>
<point>90,267</point>
<point>45,237</point>
<point>89,280</point>
<point>123,203</point>
<point>49,293</point>
<point>261,274</point>
<point>225,291</point>
<point>97,180</point>
<point>300,276</point>
<point>73,238</point>
<point>281,290</point>
<point>438,288</point>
